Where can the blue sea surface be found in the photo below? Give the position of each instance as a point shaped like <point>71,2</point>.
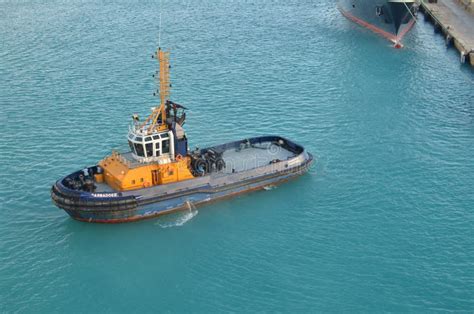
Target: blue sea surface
<point>384,221</point>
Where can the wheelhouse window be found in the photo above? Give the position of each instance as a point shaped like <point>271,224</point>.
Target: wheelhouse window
<point>149,149</point>
<point>139,150</point>
<point>131,146</point>
<point>165,146</point>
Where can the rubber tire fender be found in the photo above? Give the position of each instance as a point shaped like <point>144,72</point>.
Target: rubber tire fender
<point>220,164</point>
<point>201,167</point>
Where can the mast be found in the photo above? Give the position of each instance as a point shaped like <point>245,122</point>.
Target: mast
<point>163,58</point>
<point>156,121</point>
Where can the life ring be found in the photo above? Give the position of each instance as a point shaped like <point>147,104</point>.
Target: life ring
<point>146,184</point>
<point>179,157</point>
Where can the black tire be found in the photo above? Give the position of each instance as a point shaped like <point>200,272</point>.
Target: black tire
<point>201,167</point>
<point>220,164</point>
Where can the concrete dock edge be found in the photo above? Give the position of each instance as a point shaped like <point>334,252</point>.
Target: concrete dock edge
<point>450,18</point>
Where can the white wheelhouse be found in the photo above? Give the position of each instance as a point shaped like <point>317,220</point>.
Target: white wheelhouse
<point>157,146</point>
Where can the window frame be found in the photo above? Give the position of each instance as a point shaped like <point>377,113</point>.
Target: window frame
<point>139,145</point>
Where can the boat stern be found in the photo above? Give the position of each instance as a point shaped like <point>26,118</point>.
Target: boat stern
<point>86,200</point>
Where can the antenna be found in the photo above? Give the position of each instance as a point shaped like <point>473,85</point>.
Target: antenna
<point>159,25</point>
<point>156,121</point>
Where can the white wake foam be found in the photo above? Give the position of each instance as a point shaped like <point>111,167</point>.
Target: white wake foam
<point>269,187</point>
<point>178,219</point>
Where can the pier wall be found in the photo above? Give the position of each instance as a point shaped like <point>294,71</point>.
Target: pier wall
<point>453,19</point>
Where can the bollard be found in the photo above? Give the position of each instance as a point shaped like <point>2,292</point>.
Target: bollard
<point>448,40</point>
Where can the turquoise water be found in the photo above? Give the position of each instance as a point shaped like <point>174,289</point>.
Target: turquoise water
<point>384,221</point>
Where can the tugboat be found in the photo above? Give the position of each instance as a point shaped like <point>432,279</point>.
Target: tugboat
<point>160,174</point>
<point>391,19</point>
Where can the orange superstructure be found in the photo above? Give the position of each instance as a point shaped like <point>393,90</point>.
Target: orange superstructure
<point>158,145</point>
<point>120,176</point>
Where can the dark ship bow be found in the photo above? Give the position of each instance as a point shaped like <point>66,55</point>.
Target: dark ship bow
<point>391,19</point>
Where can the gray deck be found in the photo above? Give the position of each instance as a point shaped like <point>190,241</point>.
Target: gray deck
<point>254,157</point>
<point>236,160</point>
<point>103,188</point>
